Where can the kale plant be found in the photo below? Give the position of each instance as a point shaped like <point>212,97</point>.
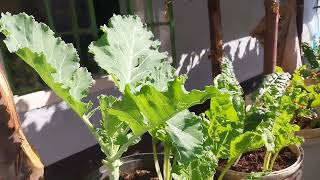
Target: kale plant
<point>153,97</point>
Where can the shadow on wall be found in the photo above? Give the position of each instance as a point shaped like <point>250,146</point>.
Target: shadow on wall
<point>191,64</point>
<point>193,42</point>
<point>247,55</point>
<point>56,131</point>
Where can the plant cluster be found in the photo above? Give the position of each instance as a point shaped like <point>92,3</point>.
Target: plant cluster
<point>154,100</point>
<point>304,88</point>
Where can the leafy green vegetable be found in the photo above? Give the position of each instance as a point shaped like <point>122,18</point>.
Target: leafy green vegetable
<point>127,51</point>
<point>56,62</point>
<point>312,54</point>
<point>235,131</point>
<point>156,106</point>
<point>273,87</point>
<point>305,96</point>
<point>154,99</point>
<point>185,131</point>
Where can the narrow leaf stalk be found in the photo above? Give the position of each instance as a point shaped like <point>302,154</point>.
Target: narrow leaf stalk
<point>226,169</point>
<point>155,158</point>
<point>273,160</point>
<point>237,160</point>
<point>266,161</point>
<point>166,163</point>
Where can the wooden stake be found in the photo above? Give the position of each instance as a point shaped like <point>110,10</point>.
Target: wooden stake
<point>17,157</point>
<point>271,35</point>
<point>299,18</point>
<point>216,52</point>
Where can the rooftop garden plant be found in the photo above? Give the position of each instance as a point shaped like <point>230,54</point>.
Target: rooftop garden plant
<point>153,97</point>
<point>154,100</point>
<point>235,129</point>
<point>304,89</point>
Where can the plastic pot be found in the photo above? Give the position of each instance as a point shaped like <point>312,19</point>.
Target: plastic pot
<point>294,172</point>
<point>130,164</point>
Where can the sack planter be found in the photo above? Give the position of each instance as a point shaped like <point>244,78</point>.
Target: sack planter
<point>293,172</point>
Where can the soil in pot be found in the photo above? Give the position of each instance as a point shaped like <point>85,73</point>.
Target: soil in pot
<point>140,175</point>
<point>307,123</point>
<point>253,161</point>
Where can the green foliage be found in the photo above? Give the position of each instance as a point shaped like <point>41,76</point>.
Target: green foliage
<point>127,51</point>
<point>305,96</point>
<point>273,87</point>
<point>154,99</point>
<point>56,62</point>
<point>235,131</point>
<point>312,54</point>
<point>185,132</point>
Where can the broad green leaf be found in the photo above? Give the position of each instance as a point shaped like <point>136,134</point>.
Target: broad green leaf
<point>159,77</point>
<point>225,124</point>
<point>248,141</point>
<point>109,123</point>
<point>283,130</point>
<point>149,108</point>
<point>185,131</point>
<point>127,51</point>
<point>56,62</point>
<point>227,79</point>
<point>272,87</point>
<point>203,168</point>
<point>228,83</point>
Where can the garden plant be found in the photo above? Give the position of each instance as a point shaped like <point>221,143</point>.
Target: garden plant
<point>305,89</point>
<point>155,101</point>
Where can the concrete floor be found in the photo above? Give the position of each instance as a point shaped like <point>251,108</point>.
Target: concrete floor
<point>311,164</point>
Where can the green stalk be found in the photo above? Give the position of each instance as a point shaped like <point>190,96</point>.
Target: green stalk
<point>266,161</point>
<point>225,170</point>
<point>173,164</point>
<point>155,158</point>
<point>273,160</point>
<point>113,169</point>
<point>166,163</point>
<point>237,160</point>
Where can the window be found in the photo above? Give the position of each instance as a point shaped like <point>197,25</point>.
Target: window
<point>75,21</point>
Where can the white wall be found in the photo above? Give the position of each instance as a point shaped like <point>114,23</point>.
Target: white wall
<point>311,24</point>
<point>57,133</point>
<point>192,38</point>
<point>239,18</point>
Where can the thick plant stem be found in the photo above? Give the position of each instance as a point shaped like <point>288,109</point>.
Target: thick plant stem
<point>273,160</point>
<point>113,169</point>
<point>225,170</point>
<point>266,161</point>
<point>166,163</point>
<point>155,158</point>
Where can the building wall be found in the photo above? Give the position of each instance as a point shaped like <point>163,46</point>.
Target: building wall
<point>193,43</point>
<point>56,132</point>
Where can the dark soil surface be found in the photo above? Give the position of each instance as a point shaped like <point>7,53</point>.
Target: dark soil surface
<point>139,175</point>
<point>253,161</point>
<point>304,123</point>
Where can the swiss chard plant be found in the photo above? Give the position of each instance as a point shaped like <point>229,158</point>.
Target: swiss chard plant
<point>304,88</point>
<point>311,70</point>
<point>307,99</point>
<point>153,97</point>
<point>235,129</point>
